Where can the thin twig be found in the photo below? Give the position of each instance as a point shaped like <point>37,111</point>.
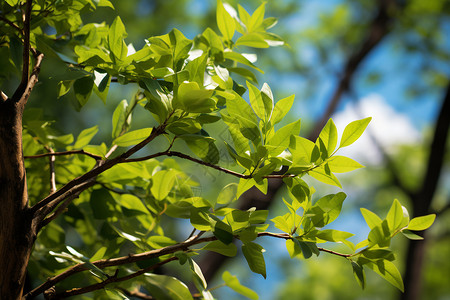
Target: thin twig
<point>201,162</point>
<point>52,172</point>
<point>71,152</point>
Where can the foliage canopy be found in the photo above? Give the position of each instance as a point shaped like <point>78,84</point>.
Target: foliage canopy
<point>118,201</point>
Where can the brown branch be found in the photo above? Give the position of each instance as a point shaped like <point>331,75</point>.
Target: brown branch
<point>11,24</point>
<point>133,258</point>
<point>71,152</point>
<point>112,279</point>
<point>379,28</point>
<point>18,94</point>
<point>79,184</point>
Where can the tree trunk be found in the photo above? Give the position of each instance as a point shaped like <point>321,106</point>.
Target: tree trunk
<point>16,229</point>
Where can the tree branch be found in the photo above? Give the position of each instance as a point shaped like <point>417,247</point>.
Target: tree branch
<point>112,279</point>
<point>379,28</point>
<point>71,152</point>
<point>11,24</point>
<point>18,94</point>
<point>133,258</point>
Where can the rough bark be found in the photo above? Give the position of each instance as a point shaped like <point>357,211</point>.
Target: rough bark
<point>16,234</point>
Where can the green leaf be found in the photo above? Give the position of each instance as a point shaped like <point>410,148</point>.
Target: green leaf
<point>12,2</point>
<point>257,18</point>
<point>306,251</point>
<point>227,194</point>
<point>324,175</point>
<point>102,204</point>
<point>120,119</point>
<point>359,274</point>
<point>342,164</point>
<point>133,137</point>
<point>397,217</point>
<point>326,209</point>
<point>162,183</point>
<point>237,57</point>
<point>116,35</point>
<point>371,218</point>
<point>254,39</point>
<point>329,136</point>
<point>255,259</point>
<point>197,273</point>
<point>388,271</point>
<point>302,151</point>
<point>410,235</point>
<point>164,287</point>
<point>284,223</point>
<point>353,131</point>
<point>197,68</point>
<point>421,223</point>
<point>281,108</point>
<point>245,184</point>
<point>380,235</point>
<point>281,139</point>
<point>85,137</point>
<point>222,231</point>
<point>333,235</point>
<point>204,147</point>
<point>83,89</point>
<point>233,283</point>
<point>229,250</point>
<point>200,220</point>
<point>181,47</point>
<point>225,22</point>
<point>192,99</point>
<point>293,248</point>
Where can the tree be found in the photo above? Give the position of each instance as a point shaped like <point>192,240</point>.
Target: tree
<point>119,198</point>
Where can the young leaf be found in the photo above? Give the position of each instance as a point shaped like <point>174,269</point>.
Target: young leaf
<point>192,99</point>
<point>120,119</point>
<point>166,287</point>
<point>83,89</point>
<point>324,175</point>
<point>255,259</point>
<point>388,271</point>
<point>197,273</point>
<point>280,140</point>
<point>85,137</point>
<point>359,274</point>
<point>326,209</point>
<point>421,223</point>
<point>229,250</point>
<point>353,131</point>
<point>329,136</point>
<point>227,194</point>
<point>281,108</point>
<point>116,41</point>
<point>396,217</point>
<point>343,164</point>
<point>233,283</point>
<point>371,218</point>
<point>204,147</point>
<point>225,22</point>
<point>133,137</point>
<point>162,183</point>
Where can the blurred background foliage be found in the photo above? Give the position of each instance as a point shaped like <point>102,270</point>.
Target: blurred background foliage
<point>408,66</point>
